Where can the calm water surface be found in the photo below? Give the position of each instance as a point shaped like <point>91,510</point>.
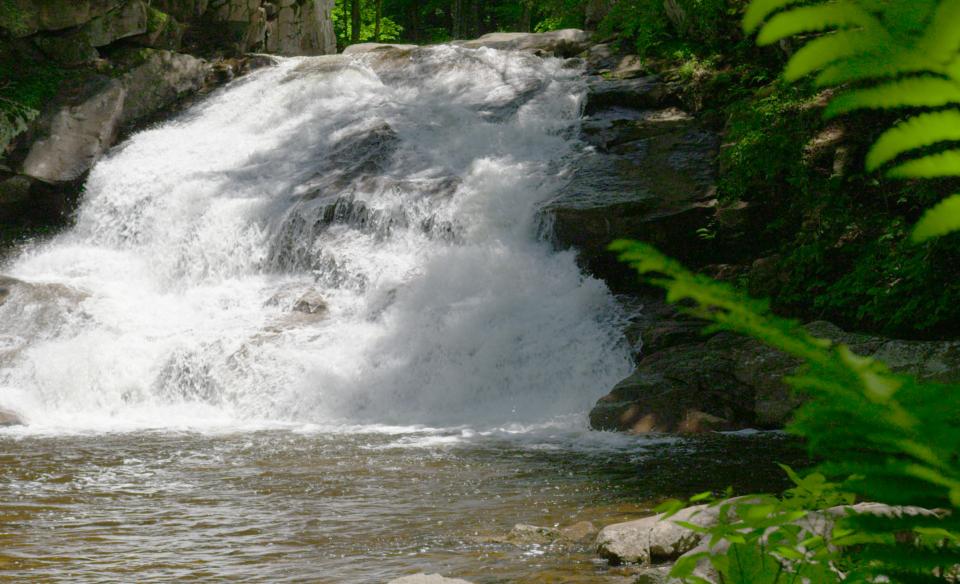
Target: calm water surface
<point>294,506</point>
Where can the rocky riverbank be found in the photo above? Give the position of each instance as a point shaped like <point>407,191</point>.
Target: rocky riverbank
<point>653,176</point>
<point>79,76</point>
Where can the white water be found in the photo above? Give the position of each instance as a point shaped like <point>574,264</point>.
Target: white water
<point>403,194</point>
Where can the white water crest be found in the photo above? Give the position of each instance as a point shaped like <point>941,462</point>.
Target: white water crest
<point>335,240</point>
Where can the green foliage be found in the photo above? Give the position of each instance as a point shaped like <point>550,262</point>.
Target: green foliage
<point>25,88</point>
<point>882,437</point>
<point>663,27</point>
<point>897,54</point>
<point>389,30</point>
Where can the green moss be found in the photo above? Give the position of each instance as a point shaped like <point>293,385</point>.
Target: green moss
<point>156,20</point>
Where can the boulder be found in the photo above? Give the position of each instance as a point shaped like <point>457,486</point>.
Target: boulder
<point>655,538</point>
<point>163,32</point>
<point>68,50</point>
<point>156,79</point>
<point>26,17</point>
<point>9,418</point>
<point>76,132</point>
<point>301,28</point>
<point>130,19</point>
<point>311,303</point>
<point>427,579</point>
<point>560,43</point>
<point>293,27</point>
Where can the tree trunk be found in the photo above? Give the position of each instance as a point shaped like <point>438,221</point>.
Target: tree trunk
<point>376,30</point>
<point>456,19</point>
<point>355,21</point>
<point>526,20</point>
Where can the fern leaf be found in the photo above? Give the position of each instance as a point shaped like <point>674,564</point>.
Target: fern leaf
<point>812,19</point>
<point>910,92</point>
<point>917,132</point>
<point>932,166</point>
<point>942,40</point>
<point>825,50</point>
<point>759,10</point>
<point>876,65</point>
<point>940,220</point>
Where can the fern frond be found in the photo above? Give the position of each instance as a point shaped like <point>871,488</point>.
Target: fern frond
<point>828,49</point>
<point>939,220</point>
<point>759,10</point>
<point>917,132</point>
<point>942,39</point>
<point>910,92</point>
<point>933,166</point>
<point>876,64</point>
<point>816,18</point>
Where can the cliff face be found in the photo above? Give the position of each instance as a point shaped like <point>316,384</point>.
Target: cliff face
<point>76,74</point>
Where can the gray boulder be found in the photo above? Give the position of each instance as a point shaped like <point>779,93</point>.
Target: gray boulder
<point>157,79</point>
<point>655,538</point>
<point>77,132</point>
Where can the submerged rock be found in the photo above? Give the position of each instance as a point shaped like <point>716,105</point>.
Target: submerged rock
<point>9,418</point>
<point>427,579</point>
<point>522,534</point>
<point>654,538</point>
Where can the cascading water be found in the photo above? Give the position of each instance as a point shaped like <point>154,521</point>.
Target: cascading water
<point>335,240</point>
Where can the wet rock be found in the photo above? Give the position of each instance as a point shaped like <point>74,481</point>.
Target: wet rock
<point>726,382</point>
<point>427,579</point>
<point>522,534</point>
<point>654,575</point>
<point>580,531</point>
<point>654,538</point>
<point>9,418</point>
<point>560,43</point>
<point>606,60</point>
<point>641,93</point>
<point>76,133</point>
<point>651,176</point>
<point>376,47</point>
<point>311,303</point>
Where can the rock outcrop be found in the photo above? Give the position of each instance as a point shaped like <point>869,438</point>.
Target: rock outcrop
<point>687,383</point>
<point>560,43</point>
<point>124,62</point>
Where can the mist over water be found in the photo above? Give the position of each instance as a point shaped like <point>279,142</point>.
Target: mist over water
<point>338,241</point>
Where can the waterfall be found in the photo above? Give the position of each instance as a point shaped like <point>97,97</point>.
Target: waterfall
<point>335,240</point>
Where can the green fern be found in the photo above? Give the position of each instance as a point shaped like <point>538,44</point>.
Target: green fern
<point>882,54</point>
<point>882,437</point>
